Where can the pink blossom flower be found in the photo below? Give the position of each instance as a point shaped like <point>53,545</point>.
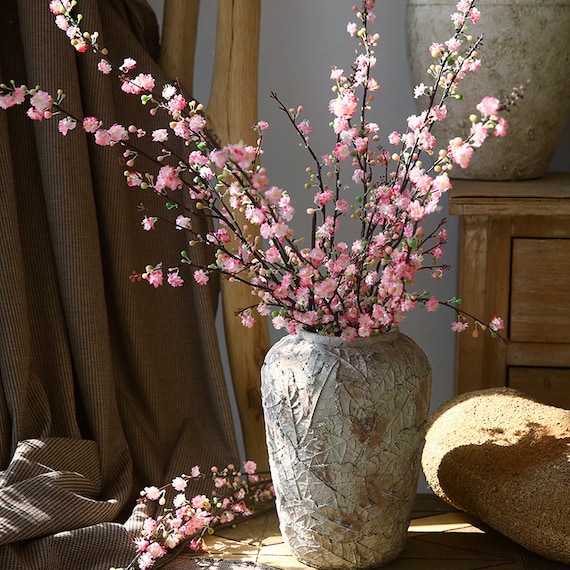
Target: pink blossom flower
<point>17,97</point>
<point>496,324</point>
<point>342,206</point>
<point>128,64</point>
<point>153,276</point>
<point>474,15</point>
<point>176,104</point>
<point>195,472</point>
<point>501,128</point>
<point>197,123</point>
<point>117,133</point>
<point>201,277</point>
<point>436,50</point>
<point>326,288</point>
<point>488,106</point>
<point>104,67</point>
<point>145,81</point>
<point>458,18</point>
<point>152,493</point>
<point>432,304</point>
<point>66,125</point>
<point>103,137</point>
<point>349,334</point>
<point>41,101</point>
<point>460,151</point>
<point>174,279</point>
<point>478,134</point>
<point>341,151</point>
<point>168,177</point>
<point>156,550</point>
<point>458,326</point>
<point>183,223</point>
<point>61,22</point>
<point>200,502</point>
<point>179,484</point>
<point>145,561</point>
<point>395,138</point>
<point>57,7</point>
<point>171,541</point>
<point>419,90</point>
<point>453,44</point>
<point>442,183</point>
<point>160,135</point>
<point>91,124</point>
<point>305,128</point>
<point>344,105</point>
<point>351,29</point>
<point>250,467</point>
<point>6,101</point>
<point>336,73</point>
<point>168,91</point>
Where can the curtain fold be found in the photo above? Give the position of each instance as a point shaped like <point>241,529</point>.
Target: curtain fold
<point>107,385</point>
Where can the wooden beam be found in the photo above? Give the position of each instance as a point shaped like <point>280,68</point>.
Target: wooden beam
<point>231,113</point>
<point>179,36</point>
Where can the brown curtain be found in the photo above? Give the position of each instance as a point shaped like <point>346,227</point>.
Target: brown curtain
<point>107,385</point>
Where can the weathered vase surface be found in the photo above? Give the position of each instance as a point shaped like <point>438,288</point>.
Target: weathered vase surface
<point>525,43</point>
<point>345,425</point>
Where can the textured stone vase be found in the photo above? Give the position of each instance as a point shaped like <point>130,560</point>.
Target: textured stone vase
<point>526,42</point>
<point>345,425</point>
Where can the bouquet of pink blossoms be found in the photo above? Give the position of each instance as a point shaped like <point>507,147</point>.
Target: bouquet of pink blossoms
<point>190,518</point>
<point>317,282</point>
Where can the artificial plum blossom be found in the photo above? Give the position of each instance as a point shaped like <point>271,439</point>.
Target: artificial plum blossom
<point>315,281</point>
<point>160,135</point>
<point>174,279</point>
<point>168,91</point>
<point>103,137</point>
<point>154,276</point>
<point>59,7</point>
<point>496,324</point>
<point>501,128</point>
<point>66,125</point>
<point>344,106</point>
<point>152,493</point>
<point>128,64</point>
<point>459,326</point>
<point>16,97</point>
<point>168,178</point>
<point>460,151</point>
<point>104,67</point>
<point>489,106</point>
<point>201,277</point>
<point>183,223</point>
<point>91,124</point>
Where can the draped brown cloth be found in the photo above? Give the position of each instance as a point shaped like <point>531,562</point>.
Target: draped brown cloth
<point>107,385</point>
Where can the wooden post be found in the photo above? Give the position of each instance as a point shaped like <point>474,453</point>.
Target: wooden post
<point>179,35</point>
<point>231,113</point>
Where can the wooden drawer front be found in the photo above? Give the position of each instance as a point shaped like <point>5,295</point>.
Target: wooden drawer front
<point>547,385</point>
<point>540,300</point>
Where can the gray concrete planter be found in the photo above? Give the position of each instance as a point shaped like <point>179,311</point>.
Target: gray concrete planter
<point>345,427</point>
<point>526,42</point>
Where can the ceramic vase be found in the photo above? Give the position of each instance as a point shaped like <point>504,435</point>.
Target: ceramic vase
<point>345,427</point>
<point>525,43</point>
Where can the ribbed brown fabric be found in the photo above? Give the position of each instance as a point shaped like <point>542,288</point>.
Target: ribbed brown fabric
<point>107,385</point>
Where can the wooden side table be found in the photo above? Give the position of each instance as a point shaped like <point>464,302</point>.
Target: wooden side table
<point>514,261</point>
